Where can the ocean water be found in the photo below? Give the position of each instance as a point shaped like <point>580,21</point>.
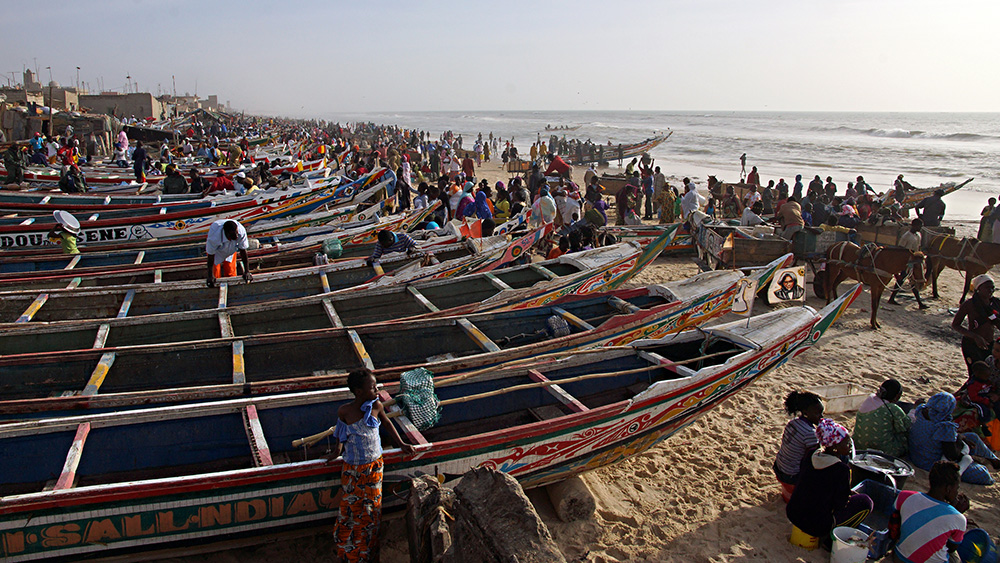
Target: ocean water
<point>928,148</point>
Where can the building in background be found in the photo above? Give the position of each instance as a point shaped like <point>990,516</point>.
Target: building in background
<point>142,105</point>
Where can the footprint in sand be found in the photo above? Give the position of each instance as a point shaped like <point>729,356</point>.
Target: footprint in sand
<point>620,518</point>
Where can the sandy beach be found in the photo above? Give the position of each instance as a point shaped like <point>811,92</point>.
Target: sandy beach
<point>708,494</point>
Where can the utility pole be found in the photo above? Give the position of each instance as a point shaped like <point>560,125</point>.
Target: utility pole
<point>78,80</point>
<point>51,111</point>
<point>173,79</point>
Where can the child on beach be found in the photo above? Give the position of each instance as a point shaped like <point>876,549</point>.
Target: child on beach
<point>357,434</point>
<point>799,438</point>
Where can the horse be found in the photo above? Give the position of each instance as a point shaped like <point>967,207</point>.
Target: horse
<point>875,267</point>
<point>967,255</point>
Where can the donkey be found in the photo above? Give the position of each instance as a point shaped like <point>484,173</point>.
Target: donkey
<point>876,268</point>
<point>967,255</point>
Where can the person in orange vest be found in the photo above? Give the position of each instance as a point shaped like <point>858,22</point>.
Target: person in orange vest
<point>225,238</point>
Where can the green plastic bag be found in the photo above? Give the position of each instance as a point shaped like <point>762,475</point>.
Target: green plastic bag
<point>332,248</point>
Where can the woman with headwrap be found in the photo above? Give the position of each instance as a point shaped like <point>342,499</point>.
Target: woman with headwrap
<point>502,203</point>
<point>465,201</point>
<point>983,312</point>
<point>480,209</point>
<point>881,424</point>
<point>544,208</point>
<point>822,500</point>
<point>934,436</point>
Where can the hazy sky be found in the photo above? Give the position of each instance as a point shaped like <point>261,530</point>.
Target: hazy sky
<point>316,58</point>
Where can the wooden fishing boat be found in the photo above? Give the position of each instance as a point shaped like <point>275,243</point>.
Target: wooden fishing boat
<point>611,151</point>
<point>109,183</point>
<point>580,272</point>
<point>357,241</point>
<point>723,246</point>
<point>644,234</point>
<point>913,197</point>
<point>286,229</point>
<point>141,297</point>
<point>249,358</point>
<point>84,204</point>
<point>72,202</point>
<point>151,479</point>
<point>32,231</point>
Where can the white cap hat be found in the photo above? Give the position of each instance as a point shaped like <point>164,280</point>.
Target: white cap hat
<point>980,280</point>
<point>241,175</point>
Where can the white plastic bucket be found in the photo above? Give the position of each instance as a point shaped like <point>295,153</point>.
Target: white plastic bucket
<point>845,548</point>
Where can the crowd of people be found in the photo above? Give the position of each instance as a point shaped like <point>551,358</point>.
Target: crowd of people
<point>945,434</point>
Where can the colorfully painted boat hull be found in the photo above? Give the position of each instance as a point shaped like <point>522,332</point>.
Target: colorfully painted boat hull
<point>218,471</point>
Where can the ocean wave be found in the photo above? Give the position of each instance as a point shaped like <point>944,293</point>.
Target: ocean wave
<point>606,125</point>
<point>911,134</point>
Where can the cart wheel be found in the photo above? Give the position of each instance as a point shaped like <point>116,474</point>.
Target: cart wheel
<point>818,280</point>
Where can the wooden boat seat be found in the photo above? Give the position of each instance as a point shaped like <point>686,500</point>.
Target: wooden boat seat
<point>623,306</point>
<point>573,319</point>
<point>421,299</point>
<point>549,274</point>
<point>255,435</point>
<point>664,363</point>
<point>497,282</point>
<point>558,392</point>
<point>477,335</point>
<point>413,436</point>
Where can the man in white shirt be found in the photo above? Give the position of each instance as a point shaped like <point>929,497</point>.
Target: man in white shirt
<point>225,237</point>
<point>911,240</point>
<point>752,197</point>
<point>692,200</point>
<point>751,215</point>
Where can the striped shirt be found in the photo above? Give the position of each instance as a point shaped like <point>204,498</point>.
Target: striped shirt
<point>798,440</point>
<point>925,528</point>
<point>402,244</point>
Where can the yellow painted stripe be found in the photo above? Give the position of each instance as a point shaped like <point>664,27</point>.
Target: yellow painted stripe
<point>359,349</point>
<point>477,335</point>
<point>29,313</point>
<point>100,372</point>
<point>573,319</point>
<point>325,281</point>
<point>239,369</point>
